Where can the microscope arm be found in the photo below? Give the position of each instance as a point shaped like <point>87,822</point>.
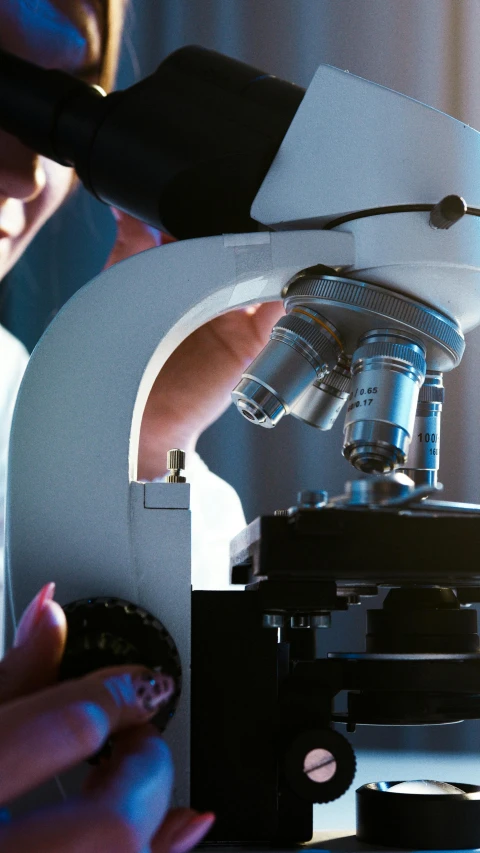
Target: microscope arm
<point>76,428</point>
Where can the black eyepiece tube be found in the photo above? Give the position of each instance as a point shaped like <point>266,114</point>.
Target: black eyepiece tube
<point>32,99</point>
<point>185,150</point>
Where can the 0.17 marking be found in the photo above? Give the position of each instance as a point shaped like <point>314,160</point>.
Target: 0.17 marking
<point>367,401</point>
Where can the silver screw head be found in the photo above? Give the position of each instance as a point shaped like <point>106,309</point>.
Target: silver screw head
<point>319,765</point>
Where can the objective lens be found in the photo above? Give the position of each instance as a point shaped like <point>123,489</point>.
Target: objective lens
<point>423,459</point>
<point>303,346</point>
<point>323,401</point>
<point>388,369</point>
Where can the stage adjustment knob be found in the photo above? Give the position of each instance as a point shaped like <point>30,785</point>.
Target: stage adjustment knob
<point>110,632</point>
<point>320,765</point>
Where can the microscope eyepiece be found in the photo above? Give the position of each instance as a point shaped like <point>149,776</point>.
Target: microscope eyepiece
<point>186,149</point>
<point>303,347</point>
<point>388,370</point>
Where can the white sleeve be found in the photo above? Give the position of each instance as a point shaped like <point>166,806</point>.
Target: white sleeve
<point>217,516</point>
<point>13,361</point>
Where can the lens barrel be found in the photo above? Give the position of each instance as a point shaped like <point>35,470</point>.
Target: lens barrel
<point>303,347</point>
<point>423,459</point>
<point>323,401</point>
<point>388,369</point>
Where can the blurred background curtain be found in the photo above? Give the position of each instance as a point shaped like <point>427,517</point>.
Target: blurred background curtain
<point>427,49</point>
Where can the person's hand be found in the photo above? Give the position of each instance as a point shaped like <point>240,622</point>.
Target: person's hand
<point>193,388</point>
<point>46,728</point>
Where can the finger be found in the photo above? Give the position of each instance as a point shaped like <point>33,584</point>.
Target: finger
<point>123,815</point>
<point>182,835</point>
<point>55,729</point>
<point>133,236</point>
<point>39,643</point>
<point>136,782</point>
<point>172,828</point>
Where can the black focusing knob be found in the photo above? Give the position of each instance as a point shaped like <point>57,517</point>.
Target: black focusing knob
<point>106,632</point>
<point>320,765</point>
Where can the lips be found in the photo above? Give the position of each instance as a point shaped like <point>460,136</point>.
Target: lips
<point>12,218</point>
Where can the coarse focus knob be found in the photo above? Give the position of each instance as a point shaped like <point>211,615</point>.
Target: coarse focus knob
<point>106,632</point>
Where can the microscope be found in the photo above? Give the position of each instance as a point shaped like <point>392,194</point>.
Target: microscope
<point>360,209</point>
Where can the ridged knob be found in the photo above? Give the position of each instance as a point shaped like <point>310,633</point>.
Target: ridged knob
<point>432,390</point>
<point>175,464</point>
<point>104,632</point>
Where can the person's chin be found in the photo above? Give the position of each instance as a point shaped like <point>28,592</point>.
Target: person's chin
<point>10,251</point>
<point>12,248</point>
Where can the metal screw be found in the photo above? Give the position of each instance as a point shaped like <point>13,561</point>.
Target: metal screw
<point>447,212</point>
<point>319,765</point>
<point>300,620</point>
<point>175,464</point>
<point>312,499</point>
<point>273,620</point>
<point>322,620</point>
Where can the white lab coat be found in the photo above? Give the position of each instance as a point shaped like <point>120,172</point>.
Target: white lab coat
<point>217,513</point>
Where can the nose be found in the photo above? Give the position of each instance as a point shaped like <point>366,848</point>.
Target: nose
<point>21,173</point>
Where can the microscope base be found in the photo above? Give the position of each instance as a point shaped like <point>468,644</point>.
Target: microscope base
<point>347,842</point>
<point>343,841</point>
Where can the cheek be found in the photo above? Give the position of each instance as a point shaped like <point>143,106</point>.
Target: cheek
<point>37,211</point>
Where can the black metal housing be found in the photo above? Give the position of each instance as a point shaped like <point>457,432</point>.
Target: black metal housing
<point>185,150</point>
<point>418,821</point>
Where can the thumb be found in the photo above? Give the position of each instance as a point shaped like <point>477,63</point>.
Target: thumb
<point>133,236</point>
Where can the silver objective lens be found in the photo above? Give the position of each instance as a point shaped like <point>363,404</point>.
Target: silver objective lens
<point>388,369</point>
<point>303,346</point>
<point>423,459</point>
<point>323,401</point>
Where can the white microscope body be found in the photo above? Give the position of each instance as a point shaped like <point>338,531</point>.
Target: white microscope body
<point>76,513</point>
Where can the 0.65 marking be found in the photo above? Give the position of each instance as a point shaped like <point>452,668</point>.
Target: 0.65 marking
<point>364,401</point>
<point>359,392</point>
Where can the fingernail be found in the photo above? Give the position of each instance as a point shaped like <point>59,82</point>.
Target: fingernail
<point>31,616</point>
<point>152,690</point>
<point>192,833</point>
